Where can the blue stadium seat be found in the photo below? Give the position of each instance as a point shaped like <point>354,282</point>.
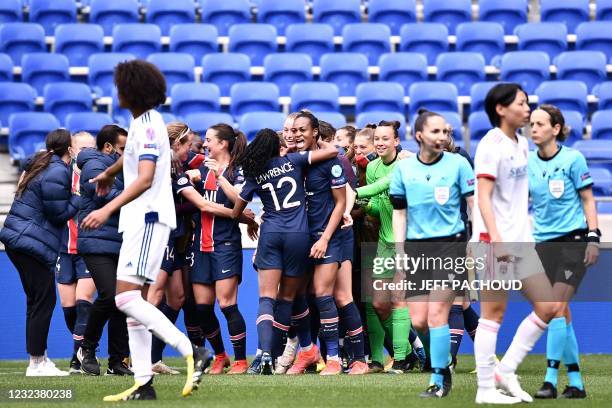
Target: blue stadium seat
<point>286,69</point>
<point>486,38</point>
<point>370,39</point>
<point>17,39</point>
<point>200,122</point>
<point>167,14</point>
<point>548,37</point>
<point>168,117</point>
<point>315,96</point>
<point>597,152</point>
<point>196,40</point>
<point>6,68</point>
<point>138,39</point>
<point>253,97</point>
<point>51,13</point>
<point>176,67</point>
<point>194,98</point>
<point>224,14</point>
<point>312,39</point>
<point>595,36</point>
<point>122,116</point>
<point>336,13</point>
<point>109,13</point>
<point>455,122</point>
<point>604,10</point>
<point>528,68</point>
<point>429,39</point>
<point>601,124</point>
<point>478,93</point>
<point>434,96</point>
<point>375,117</point>
<point>575,122</point>
<point>101,71</point>
<point>461,68</point>
<point>479,125</point>
<point>27,133</point>
<point>253,122</point>
<point>90,122</point>
<point>393,13</point>
<point>336,119</point>
<point>604,207</point>
<point>15,97</point>
<point>448,12</point>
<point>569,12</point>
<point>254,40</point>
<point>379,96</point>
<point>566,95</point>
<point>345,70</point>
<point>586,66</point>
<point>604,93</point>
<point>404,68</point>
<point>508,13</point>
<point>281,13</point>
<point>62,98</point>
<point>602,181</point>
<point>11,11</point>
<point>225,69</point>
<point>40,69</point>
<point>78,42</point>
<point>410,145</point>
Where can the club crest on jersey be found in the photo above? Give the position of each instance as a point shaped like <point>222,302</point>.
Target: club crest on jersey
<point>336,170</point>
<point>442,194</point>
<point>182,181</point>
<point>556,187</point>
<point>150,134</point>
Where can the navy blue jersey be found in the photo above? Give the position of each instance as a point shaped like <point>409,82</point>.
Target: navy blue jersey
<point>70,232</point>
<point>281,189</point>
<point>179,183</point>
<point>213,230</point>
<point>320,180</point>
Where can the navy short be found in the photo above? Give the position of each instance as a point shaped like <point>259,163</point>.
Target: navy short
<point>348,244</point>
<point>69,268</point>
<point>287,251</point>
<point>562,258</point>
<point>335,249</point>
<point>224,263</point>
<point>172,260</point>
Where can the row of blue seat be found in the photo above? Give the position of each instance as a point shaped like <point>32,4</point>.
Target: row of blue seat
<point>78,41</point>
<point>225,13</point>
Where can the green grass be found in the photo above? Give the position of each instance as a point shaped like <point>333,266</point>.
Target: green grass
<point>379,390</point>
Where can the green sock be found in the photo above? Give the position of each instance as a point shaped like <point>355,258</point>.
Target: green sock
<point>401,327</point>
<point>376,334</point>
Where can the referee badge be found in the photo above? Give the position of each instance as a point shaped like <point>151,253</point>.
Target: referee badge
<point>556,187</point>
<point>442,194</point>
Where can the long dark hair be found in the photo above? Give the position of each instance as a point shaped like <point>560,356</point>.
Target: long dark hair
<point>57,142</point>
<point>258,153</point>
<point>556,118</point>
<point>236,144</point>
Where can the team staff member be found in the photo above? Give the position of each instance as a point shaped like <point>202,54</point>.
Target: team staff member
<point>31,234</point>
<point>426,192</point>
<point>565,229</point>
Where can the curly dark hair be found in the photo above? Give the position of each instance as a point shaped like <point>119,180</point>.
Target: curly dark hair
<point>258,153</point>
<point>140,85</point>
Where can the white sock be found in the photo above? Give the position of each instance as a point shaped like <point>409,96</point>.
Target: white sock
<point>484,351</point>
<point>307,348</point>
<point>527,334</point>
<point>259,352</point>
<point>417,343</point>
<point>133,305</point>
<point>140,350</point>
<point>36,360</point>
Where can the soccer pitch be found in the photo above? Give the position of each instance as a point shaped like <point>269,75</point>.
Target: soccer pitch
<point>375,390</point>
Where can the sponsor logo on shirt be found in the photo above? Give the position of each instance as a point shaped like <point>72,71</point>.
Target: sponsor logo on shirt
<point>150,146</point>
<point>518,172</point>
<point>470,182</point>
<point>150,134</point>
<point>585,176</point>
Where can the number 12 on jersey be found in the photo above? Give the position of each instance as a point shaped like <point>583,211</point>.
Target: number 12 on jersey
<point>286,203</point>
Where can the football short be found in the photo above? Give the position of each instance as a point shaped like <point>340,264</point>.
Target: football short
<point>563,258</point>
<point>348,245</point>
<point>172,260</point>
<point>223,263</point>
<point>142,252</point>
<point>287,251</point>
<point>69,268</point>
<point>525,263</point>
<point>335,250</point>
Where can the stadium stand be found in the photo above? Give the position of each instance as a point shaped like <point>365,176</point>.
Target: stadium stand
<point>369,39</point>
<point>224,14</point>
<point>11,11</point>
<point>336,119</point>
<point>90,122</point>
<point>462,69</point>
<point>595,36</point>
<point>78,41</point>
<point>602,125</point>
<point>548,37</point>
<point>336,13</point>
<point>430,39</point>
<point>566,95</point>
<point>569,12</point>
<point>40,69</point>
<point>281,13</point>
<point>202,121</point>
<point>27,133</point>
<point>312,39</point>
<point>167,14</point>
<point>319,97</point>
<point>253,97</point>
<point>6,68</point>
<point>379,96</point>
<point>109,13</point>
<point>346,70</point>
<point>604,93</point>
<point>177,67</point>
<point>448,12</point>
<point>63,98</point>
<point>486,38</point>
<point>15,97</point>
<point>528,68</point>
<point>226,69</point>
<point>17,39</point>
<point>254,40</point>
<point>196,40</point>
<point>51,13</point>
<point>138,39</point>
<point>252,122</point>
<point>101,66</point>
<point>404,68</point>
<point>191,98</point>
<point>508,13</point>
<point>286,69</point>
<point>392,13</point>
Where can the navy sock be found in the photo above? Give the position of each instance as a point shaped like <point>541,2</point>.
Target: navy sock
<point>329,324</point>
<point>456,326</point>
<point>210,327</point>
<point>470,321</point>
<point>300,321</point>
<point>349,316</point>
<point>237,330</point>
<point>282,322</point>
<point>83,307</point>
<point>157,345</point>
<point>388,344</point>
<point>265,319</point>
<point>192,323</point>
<point>70,315</point>
<point>315,324</point>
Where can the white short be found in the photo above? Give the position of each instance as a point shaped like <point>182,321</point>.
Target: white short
<point>526,262</point>
<point>142,252</point>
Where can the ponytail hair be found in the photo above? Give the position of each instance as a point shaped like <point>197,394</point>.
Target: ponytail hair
<point>57,142</point>
<point>236,144</point>
<point>393,124</point>
<point>556,118</point>
<point>178,132</point>
<point>422,118</point>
